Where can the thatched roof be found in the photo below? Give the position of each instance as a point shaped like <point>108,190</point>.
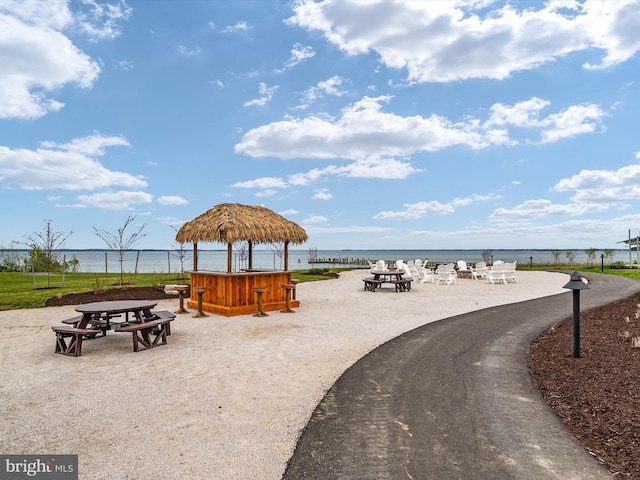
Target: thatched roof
<point>232,222</point>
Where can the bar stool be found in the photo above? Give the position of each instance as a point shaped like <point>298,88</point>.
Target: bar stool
<point>294,282</point>
<point>288,288</point>
<point>181,291</point>
<point>199,291</point>
<point>261,312</point>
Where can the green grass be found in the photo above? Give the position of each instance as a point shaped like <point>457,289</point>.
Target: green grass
<point>17,290</point>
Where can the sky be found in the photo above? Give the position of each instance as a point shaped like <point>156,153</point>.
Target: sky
<point>472,124</point>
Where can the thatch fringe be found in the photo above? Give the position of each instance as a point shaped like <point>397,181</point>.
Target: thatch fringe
<point>233,222</point>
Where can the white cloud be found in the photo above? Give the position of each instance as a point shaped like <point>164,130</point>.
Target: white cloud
<point>603,186</point>
<point>238,27</point>
<point>100,20</point>
<point>417,210</point>
<point>314,219</point>
<point>299,53</point>
<point>472,39</point>
<point>37,56</point>
<point>331,86</point>
<point>322,194</point>
<point>365,131</point>
<point>291,211</point>
<point>122,200</point>
<point>433,207</point>
<point>172,200</point>
<point>264,182</point>
<point>266,93</point>
<point>188,52</point>
<point>266,193</point>
<point>575,120</point>
<point>541,208</point>
<point>34,62</point>
<point>69,166</point>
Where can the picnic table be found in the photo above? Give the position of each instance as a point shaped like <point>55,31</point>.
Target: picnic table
<point>387,276</point>
<point>147,327</point>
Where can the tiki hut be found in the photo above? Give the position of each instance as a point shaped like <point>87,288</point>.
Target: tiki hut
<point>230,223</point>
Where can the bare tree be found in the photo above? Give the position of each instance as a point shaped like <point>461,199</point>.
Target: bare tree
<point>591,255</point>
<point>119,244</point>
<point>609,254</point>
<point>44,248</point>
<point>571,257</point>
<point>278,251</point>
<point>180,252</point>
<point>242,252</point>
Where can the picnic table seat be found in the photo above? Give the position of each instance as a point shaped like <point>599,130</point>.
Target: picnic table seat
<point>150,334</point>
<point>97,326</point>
<point>370,284</point>
<point>69,339</point>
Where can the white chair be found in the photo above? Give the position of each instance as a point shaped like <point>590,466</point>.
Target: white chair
<point>381,266</point>
<point>418,262</point>
<point>480,271</point>
<point>425,274</point>
<point>510,272</point>
<point>446,274</point>
<point>406,271</point>
<point>462,266</point>
<point>496,274</point>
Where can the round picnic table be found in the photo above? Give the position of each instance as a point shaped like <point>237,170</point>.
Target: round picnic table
<point>141,309</point>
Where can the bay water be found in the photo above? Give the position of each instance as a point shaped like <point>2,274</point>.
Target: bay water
<point>159,261</point>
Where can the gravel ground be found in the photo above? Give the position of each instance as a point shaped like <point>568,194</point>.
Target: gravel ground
<point>227,397</point>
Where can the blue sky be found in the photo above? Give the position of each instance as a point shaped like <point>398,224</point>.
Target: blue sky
<point>471,124</point>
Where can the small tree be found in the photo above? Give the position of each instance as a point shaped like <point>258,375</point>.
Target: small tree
<point>119,244</point>
<point>609,254</point>
<point>44,247</point>
<point>487,255</point>
<point>242,251</point>
<point>10,260</point>
<point>571,257</point>
<point>556,256</point>
<point>278,251</point>
<point>180,252</point>
<point>591,255</point>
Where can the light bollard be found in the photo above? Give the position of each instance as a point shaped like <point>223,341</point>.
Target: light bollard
<point>576,284</point>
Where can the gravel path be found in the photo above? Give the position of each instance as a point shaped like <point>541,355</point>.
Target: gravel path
<point>227,397</point>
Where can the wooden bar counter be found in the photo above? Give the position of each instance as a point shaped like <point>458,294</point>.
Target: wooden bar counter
<point>231,294</point>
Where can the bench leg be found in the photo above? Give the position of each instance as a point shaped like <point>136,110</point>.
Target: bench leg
<point>74,346</point>
<point>144,337</point>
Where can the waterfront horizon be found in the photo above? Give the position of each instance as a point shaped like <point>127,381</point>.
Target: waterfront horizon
<point>168,261</point>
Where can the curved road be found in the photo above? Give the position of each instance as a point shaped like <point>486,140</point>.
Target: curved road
<point>452,400</point>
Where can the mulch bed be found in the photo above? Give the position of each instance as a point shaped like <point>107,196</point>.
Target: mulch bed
<point>133,293</point>
<point>597,396</point>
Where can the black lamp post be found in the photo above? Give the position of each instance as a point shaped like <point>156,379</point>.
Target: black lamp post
<point>530,263</point>
<point>602,262</point>
<point>576,284</point>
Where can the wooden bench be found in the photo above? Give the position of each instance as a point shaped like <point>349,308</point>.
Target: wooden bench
<point>164,315</point>
<point>69,339</point>
<point>143,333</point>
<point>370,284</point>
<point>401,285</point>
<point>102,324</point>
